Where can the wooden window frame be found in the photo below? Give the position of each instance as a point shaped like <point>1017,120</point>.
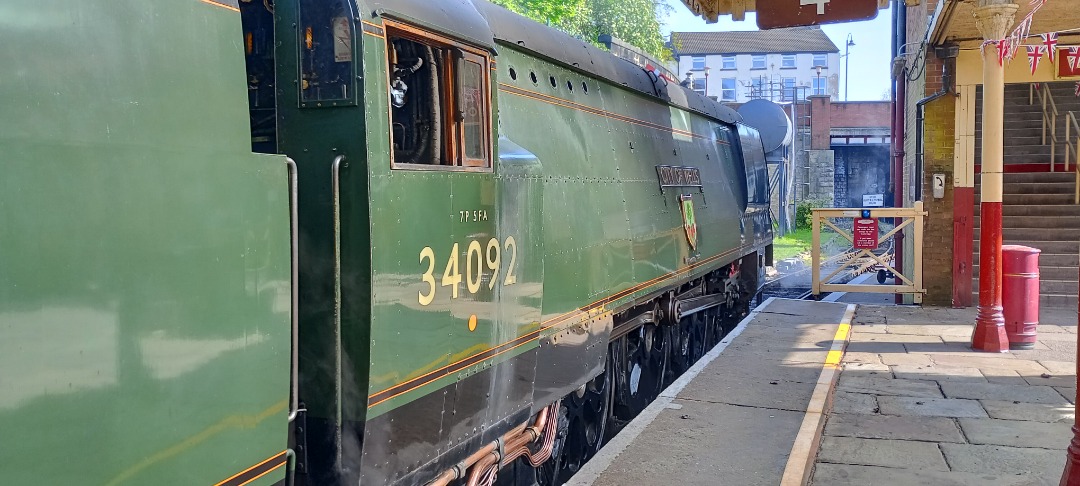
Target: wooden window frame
<point>453,130</point>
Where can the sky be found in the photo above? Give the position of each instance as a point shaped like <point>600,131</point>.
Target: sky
<point>869,71</point>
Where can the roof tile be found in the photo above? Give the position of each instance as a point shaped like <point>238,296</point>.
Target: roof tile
<point>794,39</point>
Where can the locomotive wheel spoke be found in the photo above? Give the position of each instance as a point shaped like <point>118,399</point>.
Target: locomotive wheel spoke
<point>583,422</point>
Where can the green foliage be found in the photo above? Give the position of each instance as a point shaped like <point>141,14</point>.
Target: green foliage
<point>804,218</point>
<point>636,22</point>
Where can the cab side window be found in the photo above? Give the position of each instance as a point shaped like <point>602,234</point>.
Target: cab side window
<point>440,95</point>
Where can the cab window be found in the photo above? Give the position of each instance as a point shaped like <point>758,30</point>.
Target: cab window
<point>439,94</point>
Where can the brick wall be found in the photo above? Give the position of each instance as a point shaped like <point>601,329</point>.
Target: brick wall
<point>938,146</point>
<point>861,114</point>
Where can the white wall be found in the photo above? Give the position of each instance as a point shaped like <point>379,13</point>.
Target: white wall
<point>804,72</point>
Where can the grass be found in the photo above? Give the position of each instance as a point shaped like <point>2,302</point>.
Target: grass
<point>798,243</point>
<point>792,244</point>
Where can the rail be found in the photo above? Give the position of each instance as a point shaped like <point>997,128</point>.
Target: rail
<point>294,318</point>
<point>1071,149</point>
<point>335,184</point>
<point>1049,117</point>
<point>861,256</point>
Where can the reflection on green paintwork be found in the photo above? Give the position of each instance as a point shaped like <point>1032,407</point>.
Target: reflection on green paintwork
<point>144,338</point>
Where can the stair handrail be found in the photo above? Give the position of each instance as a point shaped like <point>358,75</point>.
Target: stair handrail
<point>1049,117</point>
<point>1071,149</point>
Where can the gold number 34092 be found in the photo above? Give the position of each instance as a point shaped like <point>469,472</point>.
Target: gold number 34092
<point>477,257</point>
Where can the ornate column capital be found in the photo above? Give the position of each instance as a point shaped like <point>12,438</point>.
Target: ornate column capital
<point>994,18</point>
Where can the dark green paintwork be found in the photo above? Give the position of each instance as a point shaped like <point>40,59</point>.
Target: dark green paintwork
<point>144,251</point>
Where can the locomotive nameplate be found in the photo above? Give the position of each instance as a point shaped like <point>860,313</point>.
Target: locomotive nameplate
<point>675,176</point>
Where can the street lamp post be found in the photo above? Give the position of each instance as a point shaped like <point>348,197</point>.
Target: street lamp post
<point>706,81</point>
<point>817,81</point>
<point>847,63</point>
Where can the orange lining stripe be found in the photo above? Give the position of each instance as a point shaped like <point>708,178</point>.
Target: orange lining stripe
<point>271,458</point>
<point>222,5</point>
<point>515,90</point>
<point>407,390</point>
<point>268,471</point>
<point>596,111</point>
<point>553,322</point>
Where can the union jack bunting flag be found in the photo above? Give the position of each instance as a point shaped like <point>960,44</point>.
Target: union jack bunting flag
<point>1050,42</point>
<point>1035,53</point>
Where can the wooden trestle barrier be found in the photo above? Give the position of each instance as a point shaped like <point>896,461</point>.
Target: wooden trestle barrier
<point>911,217</point>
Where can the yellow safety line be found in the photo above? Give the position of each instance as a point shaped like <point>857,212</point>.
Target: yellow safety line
<point>804,450</point>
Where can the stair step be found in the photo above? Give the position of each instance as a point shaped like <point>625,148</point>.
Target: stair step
<point>1047,247</point>
<point>1036,177</point>
<point>1045,272</point>
<point>1037,210</point>
<point>1046,287</point>
<point>1046,301</point>
<point>1040,221</point>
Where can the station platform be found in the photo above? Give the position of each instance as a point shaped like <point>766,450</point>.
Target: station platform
<point>824,393</point>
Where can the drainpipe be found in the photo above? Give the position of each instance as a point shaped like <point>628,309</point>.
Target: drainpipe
<point>899,99</point>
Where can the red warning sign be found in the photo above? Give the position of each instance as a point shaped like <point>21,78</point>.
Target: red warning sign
<point>865,233</point>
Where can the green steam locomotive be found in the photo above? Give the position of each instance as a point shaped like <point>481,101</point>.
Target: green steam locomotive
<point>349,242</point>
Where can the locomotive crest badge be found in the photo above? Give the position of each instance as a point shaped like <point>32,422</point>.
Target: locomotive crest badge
<point>688,220</point>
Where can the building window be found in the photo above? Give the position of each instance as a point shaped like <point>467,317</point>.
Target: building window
<point>698,63</point>
<point>819,85</point>
<point>787,61</point>
<point>727,62</point>
<point>789,88</point>
<point>727,89</point>
<point>757,61</point>
<point>821,60</point>
<point>758,87</point>
<point>457,132</point>
<point>699,85</point>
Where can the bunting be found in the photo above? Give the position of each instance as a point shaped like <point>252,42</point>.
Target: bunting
<point>1050,43</point>
<point>1073,56</point>
<point>1035,54</point>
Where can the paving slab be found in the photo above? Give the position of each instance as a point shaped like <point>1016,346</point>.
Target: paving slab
<point>943,330</point>
<point>1003,377</point>
<point>938,373</point>
<point>673,450</point>
<point>1002,460</point>
<point>961,348</point>
<point>881,452</point>
<point>850,475</point>
<point>984,361</point>
<point>1016,433</point>
<point>1047,379</point>
<point>927,429</point>
<point>992,391</point>
<point>1059,367</point>
<point>1068,393</point>
<point>868,368</point>
<point>930,407</point>
<point>845,402</point>
<point>859,337</point>
<point>877,347</point>
<point>873,358</point>
<point>1062,412</point>
<point>888,386</point>
<point>893,359</point>
<point>765,386</point>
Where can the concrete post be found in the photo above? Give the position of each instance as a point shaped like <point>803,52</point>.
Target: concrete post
<point>994,18</point>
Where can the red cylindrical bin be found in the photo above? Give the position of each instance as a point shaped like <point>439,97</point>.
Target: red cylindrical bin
<point>1020,294</point>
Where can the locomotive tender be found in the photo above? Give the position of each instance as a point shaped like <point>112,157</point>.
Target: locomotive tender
<point>484,247</point>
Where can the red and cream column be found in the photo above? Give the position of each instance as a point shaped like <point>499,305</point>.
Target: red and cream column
<point>994,18</point>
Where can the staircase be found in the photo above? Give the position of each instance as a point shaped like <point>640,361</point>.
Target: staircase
<point>1038,209</point>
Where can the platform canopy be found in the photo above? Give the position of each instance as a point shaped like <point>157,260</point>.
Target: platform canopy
<point>813,12</point>
<point>954,21</point>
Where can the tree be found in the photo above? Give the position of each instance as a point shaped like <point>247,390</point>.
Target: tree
<point>636,22</point>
